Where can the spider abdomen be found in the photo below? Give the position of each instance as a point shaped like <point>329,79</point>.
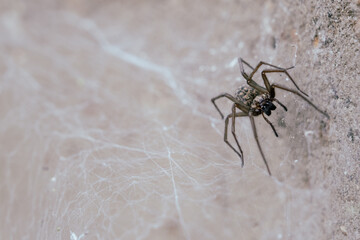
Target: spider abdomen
<point>246,95</point>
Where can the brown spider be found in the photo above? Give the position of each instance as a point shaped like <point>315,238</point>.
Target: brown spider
<point>254,100</point>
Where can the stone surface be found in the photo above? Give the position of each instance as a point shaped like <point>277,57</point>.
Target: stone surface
<point>108,132</point>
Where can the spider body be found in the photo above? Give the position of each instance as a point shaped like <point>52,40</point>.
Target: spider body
<point>257,102</point>
<point>254,100</point>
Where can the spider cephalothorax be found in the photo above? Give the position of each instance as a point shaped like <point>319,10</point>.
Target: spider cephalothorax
<point>254,100</point>
<point>267,106</point>
<point>262,104</point>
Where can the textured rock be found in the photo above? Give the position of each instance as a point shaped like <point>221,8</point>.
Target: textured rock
<point>108,132</point>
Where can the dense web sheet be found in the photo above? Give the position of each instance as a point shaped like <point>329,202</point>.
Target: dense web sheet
<point>108,131</point>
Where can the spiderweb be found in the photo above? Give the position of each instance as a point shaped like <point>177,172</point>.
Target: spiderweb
<point>108,131</point>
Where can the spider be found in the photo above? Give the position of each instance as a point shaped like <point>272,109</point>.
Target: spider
<point>254,100</point>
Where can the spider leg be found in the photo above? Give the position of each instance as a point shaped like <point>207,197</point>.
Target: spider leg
<point>231,98</point>
<point>257,141</point>
<point>267,120</point>
<point>273,86</point>
<point>241,61</point>
<point>233,115</point>
<point>252,83</point>
<point>249,81</point>
<point>267,84</point>
<point>268,64</point>
<point>280,104</point>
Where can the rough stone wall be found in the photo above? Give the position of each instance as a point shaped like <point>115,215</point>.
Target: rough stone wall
<point>107,130</point>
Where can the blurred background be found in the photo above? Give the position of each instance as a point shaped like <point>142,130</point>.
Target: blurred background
<point>107,130</point>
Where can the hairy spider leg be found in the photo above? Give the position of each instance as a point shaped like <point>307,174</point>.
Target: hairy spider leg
<point>249,81</point>
<point>280,104</point>
<point>268,64</point>
<point>253,84</point>
<point>271,89</point>
<point>241,61</point>
<point>297,93</point>
<point>282,71</point>
<point>257,141</point>
<point>267,120</point>
<point>240,105</point>
<point>234,115</point>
